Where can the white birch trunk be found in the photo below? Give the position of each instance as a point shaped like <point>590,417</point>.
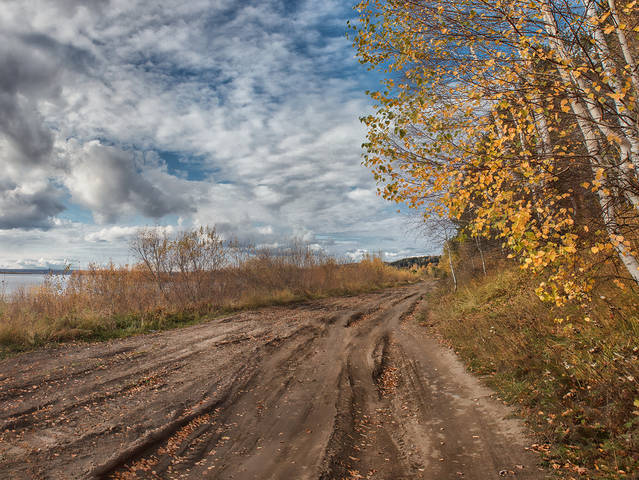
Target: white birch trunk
<point>450,263</point>
<point>593,112</point>
<point>481,254</point>
<point>592,146</point>
<point>626,123</point>
<point>627,54</point>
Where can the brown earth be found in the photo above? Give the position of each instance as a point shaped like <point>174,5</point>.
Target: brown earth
<point>343,388</point>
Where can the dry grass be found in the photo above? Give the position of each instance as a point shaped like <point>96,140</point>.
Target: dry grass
<point>112,301</point>
<point>574,372</point>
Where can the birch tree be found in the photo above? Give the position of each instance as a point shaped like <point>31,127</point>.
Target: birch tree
<point>514,112</point>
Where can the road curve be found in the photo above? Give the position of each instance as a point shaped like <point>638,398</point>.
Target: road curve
<point>342,388</point>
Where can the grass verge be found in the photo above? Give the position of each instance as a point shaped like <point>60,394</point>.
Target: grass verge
<point>572,373</point>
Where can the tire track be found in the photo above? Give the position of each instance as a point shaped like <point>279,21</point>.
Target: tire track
<point>344,388</point>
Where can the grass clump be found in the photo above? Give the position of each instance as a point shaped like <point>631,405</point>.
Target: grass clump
<point>574,372</point>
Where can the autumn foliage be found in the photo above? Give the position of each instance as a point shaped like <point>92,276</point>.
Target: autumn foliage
<point>518,120</point>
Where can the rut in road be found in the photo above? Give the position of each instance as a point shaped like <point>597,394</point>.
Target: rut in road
<point>342,388</point>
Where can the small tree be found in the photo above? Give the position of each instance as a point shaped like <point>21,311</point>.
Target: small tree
<point>184,266</point>
<point>152,248</point>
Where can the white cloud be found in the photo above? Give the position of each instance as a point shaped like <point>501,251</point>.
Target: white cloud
<point>266,230</point>
<point>118,233</point>
<point>111,234</point>
<point>107,181</point>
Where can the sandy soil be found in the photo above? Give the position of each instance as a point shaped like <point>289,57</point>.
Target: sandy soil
<point>345,388</point>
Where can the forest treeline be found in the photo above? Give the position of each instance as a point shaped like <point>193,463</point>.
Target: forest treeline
<point>516,121</point>
<point>409,262</point>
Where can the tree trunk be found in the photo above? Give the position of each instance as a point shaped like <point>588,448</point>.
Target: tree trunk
<point>592,112</point>
<point>450,263</point>
<point>592,146</point>
<point>481,254</point>
<point>627,54</point>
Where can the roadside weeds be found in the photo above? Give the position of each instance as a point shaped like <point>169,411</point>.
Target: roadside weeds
<point>115,302</point>
<point>574,377</point>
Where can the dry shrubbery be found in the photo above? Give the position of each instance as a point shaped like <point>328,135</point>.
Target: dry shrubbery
<point>178,281</point>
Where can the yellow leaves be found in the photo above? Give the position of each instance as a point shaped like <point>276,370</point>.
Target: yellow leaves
<point>570,248</point>
<point>614,138</point>
<point>616,96</point>
<point>609,29</point>
<point>619,284</point>
<point>601,19</point>
<point>467,137</point>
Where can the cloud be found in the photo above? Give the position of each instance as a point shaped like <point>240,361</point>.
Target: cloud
<point>132,112</point>
<point>45,263</point>
<point>118,233</point>
<point>107,181</point>
<point>23,248</point>
<point>111,234</point>
<point>265,230</point>
<point>28,76</point>
<point>29,196</point>
<point>28,206</point>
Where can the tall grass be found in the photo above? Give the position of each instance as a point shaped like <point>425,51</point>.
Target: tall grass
<point>574,372</point>
<point>109,301</point>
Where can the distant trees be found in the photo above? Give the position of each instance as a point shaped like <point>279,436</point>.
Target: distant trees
<point>520,117</point>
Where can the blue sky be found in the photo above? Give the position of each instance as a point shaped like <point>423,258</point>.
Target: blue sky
<point>240,114</point>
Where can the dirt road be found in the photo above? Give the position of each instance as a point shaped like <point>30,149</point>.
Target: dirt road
<point>344,388</point>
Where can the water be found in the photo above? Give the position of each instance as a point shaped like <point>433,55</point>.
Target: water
<point>10,283</point>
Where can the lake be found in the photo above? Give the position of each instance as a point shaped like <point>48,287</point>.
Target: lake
<point>10,283</point>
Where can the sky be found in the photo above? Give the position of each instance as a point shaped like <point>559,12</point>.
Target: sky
<point>242,114</point>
